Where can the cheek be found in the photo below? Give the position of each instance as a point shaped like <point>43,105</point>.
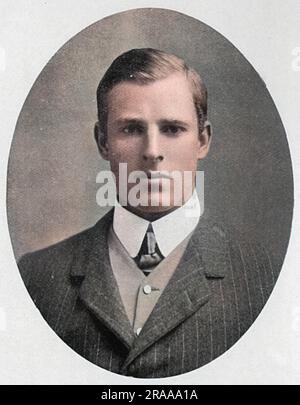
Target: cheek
<point>123,151</point>
<point>186,153</point>
<point>119,148</point>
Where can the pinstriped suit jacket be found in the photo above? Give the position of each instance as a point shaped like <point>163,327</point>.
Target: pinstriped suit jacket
<point>215,294</point>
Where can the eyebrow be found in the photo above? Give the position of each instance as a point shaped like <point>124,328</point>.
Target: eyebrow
<point>173,122</point>
<point>124,121</point>
<point>139,121</point>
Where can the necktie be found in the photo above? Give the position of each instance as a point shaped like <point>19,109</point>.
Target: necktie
<point>149,255</point>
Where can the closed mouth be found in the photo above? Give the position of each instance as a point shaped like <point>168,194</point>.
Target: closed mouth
<point>157,175</point>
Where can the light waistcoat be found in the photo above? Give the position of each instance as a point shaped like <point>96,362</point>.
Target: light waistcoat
<point>139,293</point>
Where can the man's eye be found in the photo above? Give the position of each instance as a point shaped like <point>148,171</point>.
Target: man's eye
<point>133,129</point>
<point>172,129</point>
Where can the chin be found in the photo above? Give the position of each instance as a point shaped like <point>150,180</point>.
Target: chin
<point>153,210</point>
<point>155,206</point>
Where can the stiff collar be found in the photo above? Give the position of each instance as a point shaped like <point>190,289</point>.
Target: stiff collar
<point>170,230</point>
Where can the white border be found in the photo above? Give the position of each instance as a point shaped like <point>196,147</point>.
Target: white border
<point>266,33</point>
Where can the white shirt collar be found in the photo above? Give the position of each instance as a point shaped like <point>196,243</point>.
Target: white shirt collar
<point>169,230</point>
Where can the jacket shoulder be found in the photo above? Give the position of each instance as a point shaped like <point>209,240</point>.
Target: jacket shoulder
<point>55,260</point>
<point>222,242</point>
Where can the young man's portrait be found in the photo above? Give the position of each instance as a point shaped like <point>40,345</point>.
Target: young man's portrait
<point>165,281</point>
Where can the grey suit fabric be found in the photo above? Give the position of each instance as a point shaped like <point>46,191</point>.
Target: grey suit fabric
<point>218,289</point>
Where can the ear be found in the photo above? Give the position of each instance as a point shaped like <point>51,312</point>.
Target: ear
<point>205,140</point>
<point>101,141</point>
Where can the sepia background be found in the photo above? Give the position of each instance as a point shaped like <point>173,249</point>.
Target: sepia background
<point>54,160</point>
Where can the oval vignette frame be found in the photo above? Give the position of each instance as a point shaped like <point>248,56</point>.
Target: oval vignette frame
<point>53,197</point>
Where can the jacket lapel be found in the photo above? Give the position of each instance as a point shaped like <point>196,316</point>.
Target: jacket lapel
<point>99,290</point>
<point>186,292</point>
<point>188,289</point>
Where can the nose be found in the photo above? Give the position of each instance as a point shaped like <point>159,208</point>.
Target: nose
<point>153,149</point>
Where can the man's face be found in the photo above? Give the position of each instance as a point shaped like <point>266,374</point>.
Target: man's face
<point>154,128</point>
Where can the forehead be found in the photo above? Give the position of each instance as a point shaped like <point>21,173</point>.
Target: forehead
<point>168,96</point>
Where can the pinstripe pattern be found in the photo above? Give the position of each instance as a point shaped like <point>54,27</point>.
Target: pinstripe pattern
<point>235,297</point>
<point>183,350</point>
<point>211,357</point>
<point>246,281</point>
<point>224,315</point>
<point>98,346</point>
<point>216,292</point>
<point>258,273</point>
<point>61,307</point>
<point>197,338</point>
<point>169,358</point>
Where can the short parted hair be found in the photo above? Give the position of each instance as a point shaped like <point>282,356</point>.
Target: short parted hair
<point>143,66</point>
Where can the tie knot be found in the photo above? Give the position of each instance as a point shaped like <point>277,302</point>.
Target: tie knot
<point>150,241</point>
<point>149,255</point>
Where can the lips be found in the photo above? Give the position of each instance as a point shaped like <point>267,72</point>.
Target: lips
<point>158,175</point>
